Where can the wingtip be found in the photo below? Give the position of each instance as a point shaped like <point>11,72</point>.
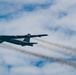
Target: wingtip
<point>46,34</point>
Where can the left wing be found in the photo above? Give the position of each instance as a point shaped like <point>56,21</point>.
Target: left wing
<point>41,35</point>
<point>22,36</point>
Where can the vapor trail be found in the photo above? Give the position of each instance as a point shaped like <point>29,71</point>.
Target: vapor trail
<point>41,56</point>
<point>56,50</point>
<point>57,45</point>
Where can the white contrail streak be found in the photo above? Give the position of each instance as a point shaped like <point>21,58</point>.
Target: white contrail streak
<point>57,50</point>
<point>41,56</point>
<point>57,45</point>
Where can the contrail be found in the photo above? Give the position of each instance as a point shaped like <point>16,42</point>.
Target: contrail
<point>56,50</point>
<point>41,56</point>
<point>57,45</point>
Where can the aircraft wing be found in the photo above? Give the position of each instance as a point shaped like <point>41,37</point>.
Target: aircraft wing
<point>22,36</point>
<point>41,35</point>
<point>18,42</point>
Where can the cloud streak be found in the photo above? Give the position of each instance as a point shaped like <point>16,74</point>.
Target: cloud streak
<point>55,17</point>
<point>41,56</point>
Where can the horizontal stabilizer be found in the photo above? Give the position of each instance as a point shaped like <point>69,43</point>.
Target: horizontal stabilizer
<point>30,44</point>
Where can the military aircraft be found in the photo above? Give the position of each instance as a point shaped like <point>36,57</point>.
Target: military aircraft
<point>15,39</point>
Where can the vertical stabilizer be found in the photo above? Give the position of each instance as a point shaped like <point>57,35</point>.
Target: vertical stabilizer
<point>27,39</point>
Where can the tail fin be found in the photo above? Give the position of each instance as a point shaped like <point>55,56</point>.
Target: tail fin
<point>27,39</point>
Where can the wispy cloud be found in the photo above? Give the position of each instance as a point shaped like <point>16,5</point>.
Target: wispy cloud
<point>55,17</point>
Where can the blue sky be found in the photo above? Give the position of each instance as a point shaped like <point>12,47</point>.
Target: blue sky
<point>57,18</point>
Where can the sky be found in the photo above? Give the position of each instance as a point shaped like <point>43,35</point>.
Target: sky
<point>57,18</point>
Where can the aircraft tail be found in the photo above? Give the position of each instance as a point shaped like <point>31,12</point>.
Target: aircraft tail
<point>27,39</point>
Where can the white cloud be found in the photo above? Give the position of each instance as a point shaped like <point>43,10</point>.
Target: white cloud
<point>62,13</point>
<point>30,1</point>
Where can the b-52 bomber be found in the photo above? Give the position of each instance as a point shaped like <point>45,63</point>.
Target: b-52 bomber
<point>15,39</point>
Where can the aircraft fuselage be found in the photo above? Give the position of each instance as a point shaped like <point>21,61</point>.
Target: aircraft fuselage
<point>14,39</point>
